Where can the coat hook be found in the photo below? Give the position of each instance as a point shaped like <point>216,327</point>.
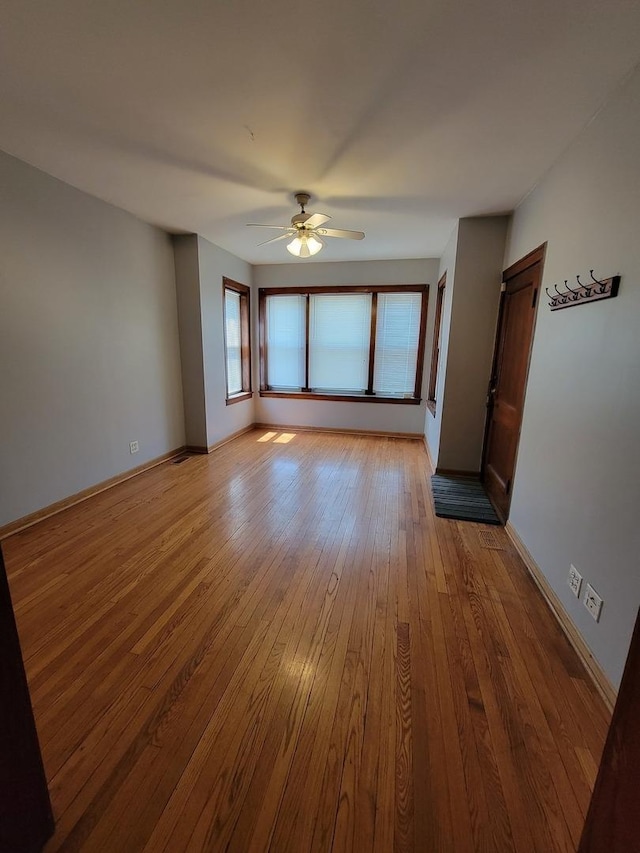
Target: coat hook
<point>592,291</point>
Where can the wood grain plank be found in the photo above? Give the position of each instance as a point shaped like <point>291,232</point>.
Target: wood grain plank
<point>278,647</point>
<point>403,830</point>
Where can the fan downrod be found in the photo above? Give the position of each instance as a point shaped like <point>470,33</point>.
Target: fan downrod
<point>302,199</point>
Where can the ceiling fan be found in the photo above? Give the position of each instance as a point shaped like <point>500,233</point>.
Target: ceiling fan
<point>306,231</point>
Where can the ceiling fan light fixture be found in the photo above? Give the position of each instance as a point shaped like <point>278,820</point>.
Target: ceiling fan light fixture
<point>304,245</point>
<point>306,231</point>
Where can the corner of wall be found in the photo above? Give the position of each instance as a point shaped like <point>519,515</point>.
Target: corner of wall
<point>187,267</point>
<point>469,323</point>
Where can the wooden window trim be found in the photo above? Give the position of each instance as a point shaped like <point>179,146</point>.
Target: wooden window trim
<point>357,288</point>
<point>372,344</point>
<point>245,339</point>
<point>369,396</point>
<point>351,398</point>
<point>435,349</point>
<point>238,398</point>
<point>307,328</point>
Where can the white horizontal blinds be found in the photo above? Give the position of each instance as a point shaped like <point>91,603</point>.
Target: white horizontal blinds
<point>286,341</point>
<point>397,334</point>
<point>339,332</point>
<point>233,334</point>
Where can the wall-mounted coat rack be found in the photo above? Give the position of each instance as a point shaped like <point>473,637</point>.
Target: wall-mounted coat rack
<point>590,292</point>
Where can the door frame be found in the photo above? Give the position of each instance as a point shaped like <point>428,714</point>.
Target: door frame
<point>535,256</point>
<point>26,817</point>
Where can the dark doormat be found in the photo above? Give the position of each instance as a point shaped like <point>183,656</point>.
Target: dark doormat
<point>462,498</point>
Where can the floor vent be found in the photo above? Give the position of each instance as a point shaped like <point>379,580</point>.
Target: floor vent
<point>489,539</point>
<point>180,459</point>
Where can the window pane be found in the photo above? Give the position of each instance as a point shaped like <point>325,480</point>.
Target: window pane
<point>397,333</point>
<point>234,341</point>
<point>285,341</point>
<point>339,332</point>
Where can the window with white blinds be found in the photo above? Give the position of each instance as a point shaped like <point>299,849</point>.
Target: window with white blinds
<point>361,343</point>
<point>234,341</point>
<point>339,331</point>
<point>285,341</point>
<point>397,335</point>
<point>237,343</point>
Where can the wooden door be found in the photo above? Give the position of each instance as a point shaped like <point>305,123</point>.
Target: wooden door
<point>509,377</point>
<point>26,820</point>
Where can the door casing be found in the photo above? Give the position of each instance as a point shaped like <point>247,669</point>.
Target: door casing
<point>534,262</point>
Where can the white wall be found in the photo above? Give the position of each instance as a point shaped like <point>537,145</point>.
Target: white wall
<point>89,356</point>
<point>200,269</point>
<point>345,415</point>
<point>433,421</point>
<point>185,247</point>
<point>472,260</point>
<point>577,486</point>
<point>215,263</point>
<point>475,297</point>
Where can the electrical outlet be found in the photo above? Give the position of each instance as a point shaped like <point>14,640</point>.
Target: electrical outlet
<point>574,580</point>
<point>134,447</point>
<point>593,602</point>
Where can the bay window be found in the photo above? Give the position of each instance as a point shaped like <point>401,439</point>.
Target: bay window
<point>359,343</point>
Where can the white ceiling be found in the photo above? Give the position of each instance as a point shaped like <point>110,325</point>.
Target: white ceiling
<point>397,117</point>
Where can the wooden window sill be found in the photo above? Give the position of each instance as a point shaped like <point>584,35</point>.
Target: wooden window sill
<point>238,398</point>
<point>349,398</point>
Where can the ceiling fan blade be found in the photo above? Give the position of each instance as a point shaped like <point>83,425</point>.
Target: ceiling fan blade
<point>316,219</point>
<point>275,239</point>
<point>339,232</point>
<point>279,227</point>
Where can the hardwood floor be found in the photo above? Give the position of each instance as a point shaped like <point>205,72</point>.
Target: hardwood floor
<point>279,647</point>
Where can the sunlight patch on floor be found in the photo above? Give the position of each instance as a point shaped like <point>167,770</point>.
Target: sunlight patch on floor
<point>284,438</point>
